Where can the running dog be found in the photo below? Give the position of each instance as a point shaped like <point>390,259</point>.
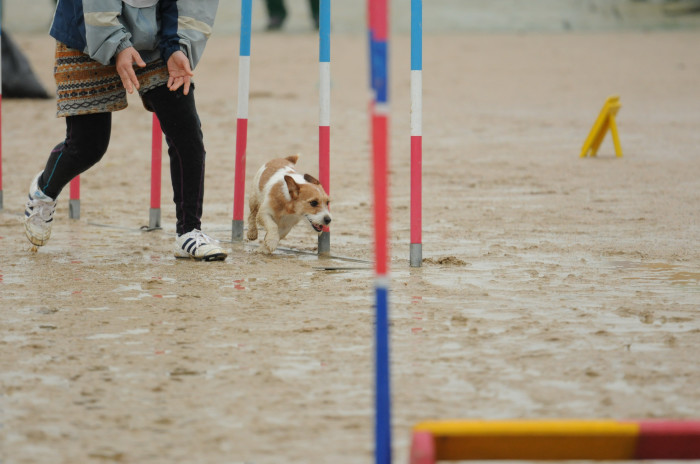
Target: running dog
<point>281,198</point>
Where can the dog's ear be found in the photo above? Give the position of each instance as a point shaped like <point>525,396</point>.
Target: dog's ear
<point>311,179</point>
<point>292,186</point>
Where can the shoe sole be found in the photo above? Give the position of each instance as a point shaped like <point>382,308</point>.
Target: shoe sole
<point>37,243</point>
<point>214,257</point>
<point>33,240</point>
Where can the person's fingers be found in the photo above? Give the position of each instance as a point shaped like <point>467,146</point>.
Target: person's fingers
<point>177,83</point>
<point>180,72</point>
<point>135,58</point>
<point>138,60</point>
<point>184,63</point>
<point>187,69</point>
<point>134,79</point>
<point>126,81</point>
<point>126,59</point>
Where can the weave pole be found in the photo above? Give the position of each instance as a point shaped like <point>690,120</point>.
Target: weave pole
<point>242,121</point>
<point>378,25</point>
<point>1,200</point>
<point>416,248</point>
<point>156,169</point>
<point>74,198</point>
<point>324,124</point>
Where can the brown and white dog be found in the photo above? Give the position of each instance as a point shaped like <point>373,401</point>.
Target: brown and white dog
<point>281,198</point>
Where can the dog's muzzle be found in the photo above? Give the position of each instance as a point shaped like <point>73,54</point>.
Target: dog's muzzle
<point>319,227</point>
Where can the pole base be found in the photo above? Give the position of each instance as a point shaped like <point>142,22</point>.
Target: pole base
<point>154,218</point>
<point>416,254</point>
<point>74,209</point>
<point>324,244</point>
<point>236,230</point>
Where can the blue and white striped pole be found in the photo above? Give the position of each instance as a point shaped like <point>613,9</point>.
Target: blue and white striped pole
<point>379,27</point>
<point>324,124</point>
<point>416,249</point>
<point>242,121</point>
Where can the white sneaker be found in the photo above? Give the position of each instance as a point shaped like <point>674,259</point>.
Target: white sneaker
<point>38,214</point>
<point>198,245</point>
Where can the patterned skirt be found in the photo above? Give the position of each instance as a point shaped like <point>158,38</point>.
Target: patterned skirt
<point>85,86</point>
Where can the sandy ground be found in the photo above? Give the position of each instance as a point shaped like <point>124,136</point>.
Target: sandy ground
<point>552,286</point>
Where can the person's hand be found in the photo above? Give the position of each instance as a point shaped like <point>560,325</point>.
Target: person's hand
<point>179,71</point>
<point>125,67</point>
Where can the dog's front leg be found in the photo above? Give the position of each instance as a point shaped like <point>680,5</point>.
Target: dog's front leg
<point>253,219</point>
<point>272,235</point>
<point>286,225</point>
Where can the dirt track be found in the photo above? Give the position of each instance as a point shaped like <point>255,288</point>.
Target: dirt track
<point>553,286</point>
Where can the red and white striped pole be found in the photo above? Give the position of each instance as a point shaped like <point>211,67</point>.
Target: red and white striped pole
<point>156,168</point>
<point>379,46</point>
<point>242,121</point>
<point>324,125</point>
<point>416,249</point>
<point>74,198</point>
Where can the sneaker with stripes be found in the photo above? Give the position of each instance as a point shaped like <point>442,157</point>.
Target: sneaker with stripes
<point>38,214</point>
<point>198,245</point>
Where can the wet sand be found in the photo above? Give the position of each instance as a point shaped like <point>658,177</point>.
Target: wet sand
<point>552,286</point>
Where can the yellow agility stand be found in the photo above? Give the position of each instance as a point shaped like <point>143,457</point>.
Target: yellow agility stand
<point>555,440</point>
<point>605,121</point>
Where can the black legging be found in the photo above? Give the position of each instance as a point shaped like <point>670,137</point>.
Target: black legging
<point>87,138</point>
<point>277,8</point>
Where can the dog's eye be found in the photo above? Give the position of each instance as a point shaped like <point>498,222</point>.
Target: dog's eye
<point>313,203</point>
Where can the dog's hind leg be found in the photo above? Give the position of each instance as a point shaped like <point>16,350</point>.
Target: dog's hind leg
<point>253,218</point>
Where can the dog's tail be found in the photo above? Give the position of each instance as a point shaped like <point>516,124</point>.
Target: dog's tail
<point>293,158</point>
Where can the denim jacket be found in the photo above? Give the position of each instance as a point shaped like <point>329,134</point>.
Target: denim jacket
<point>103,28</point>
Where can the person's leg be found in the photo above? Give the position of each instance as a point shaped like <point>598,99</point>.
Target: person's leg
<point>180,123</point>
<point>276,13</point>
<point>178,118</point>
<point>314,4</point>
<point>87,92</point>
<point>86,141</point>
<point>87,138</point>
